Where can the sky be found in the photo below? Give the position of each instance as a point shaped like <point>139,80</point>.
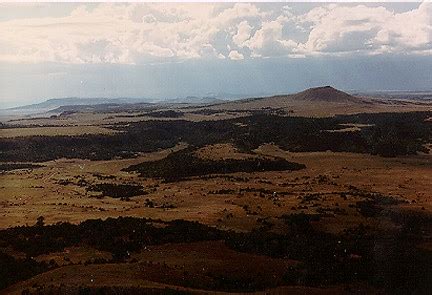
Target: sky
<point>162,51</point>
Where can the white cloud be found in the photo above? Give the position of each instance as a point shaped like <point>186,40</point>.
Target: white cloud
<point>244,31</point>
<point>268,40</point>
<point>133,33</point>
<point>371,30</point>
<point>235,55</point>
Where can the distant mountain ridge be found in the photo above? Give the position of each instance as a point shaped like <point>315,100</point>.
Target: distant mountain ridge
<point>77,103</point>
<point>103,107</point>
<point>74,101</point>
<point>195,100</point>
<point>325,94</point>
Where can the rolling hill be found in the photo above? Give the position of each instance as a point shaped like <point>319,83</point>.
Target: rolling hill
<point>322,102</point>
<point>326,94</point>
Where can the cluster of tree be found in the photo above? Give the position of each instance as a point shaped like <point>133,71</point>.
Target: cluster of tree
<point>209,112</point>
<point>117,190</point>
<point>93,147</point>
<point>393,134</point>
<point>374,206</point>
<point>185,163</point>
<point>389,134</point>
<point>165,114</point>
<point>13,270</point>
<point>382,259</point>
<point>117,236</point>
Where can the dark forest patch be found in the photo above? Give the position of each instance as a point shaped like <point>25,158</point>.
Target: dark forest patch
<point>390,134</point>
<point>165,114</point>
<point>117,190</point>
<point>13,270</point>
<point>359,255</point>
<point>186,164</point>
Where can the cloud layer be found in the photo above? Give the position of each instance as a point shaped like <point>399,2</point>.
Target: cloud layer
<point>138,33</point>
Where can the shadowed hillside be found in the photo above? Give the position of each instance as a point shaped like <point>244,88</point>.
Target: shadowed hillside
<point>326,94</point>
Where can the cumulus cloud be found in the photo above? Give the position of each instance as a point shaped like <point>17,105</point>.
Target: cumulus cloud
<point>235,55</point>
<point>243,33</point>
<point>268,40</point>
<point>138,32</point>
<point>371,30</point>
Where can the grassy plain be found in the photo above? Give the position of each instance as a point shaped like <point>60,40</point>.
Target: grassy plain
<point>342,192</point>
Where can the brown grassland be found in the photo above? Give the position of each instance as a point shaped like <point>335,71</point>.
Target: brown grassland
<point>338,187</point>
